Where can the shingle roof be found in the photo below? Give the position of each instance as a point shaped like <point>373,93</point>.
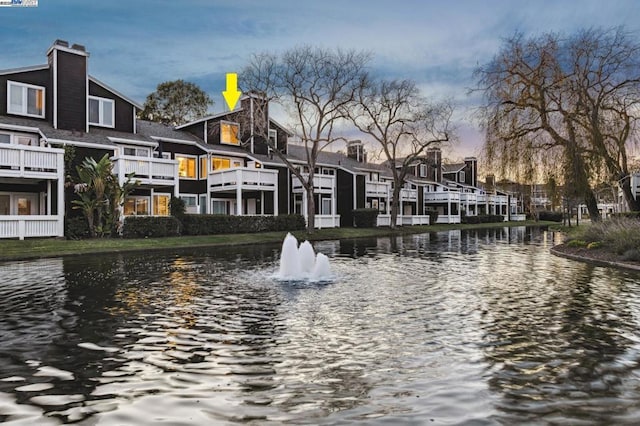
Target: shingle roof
<point>452,168</point>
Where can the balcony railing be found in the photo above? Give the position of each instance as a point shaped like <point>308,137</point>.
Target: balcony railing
<point>481,198</point>
<point>441,197</point>
<point>31,161</point>
<point>31,226</point>
<point>409,220</point>
<point>147,170</point>
<point>245,178</point>
<point>321,183</point>
<point>448,218</point>
<point>468,197</point>
<point>377,189</point>
<point>409,194</point>
<point>327,221</point>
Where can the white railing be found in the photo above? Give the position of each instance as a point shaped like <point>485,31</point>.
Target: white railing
<point>409,194</point>
<point>448,218</point>
<point>327,221</point>
<point>384,220</point>
<point>321,183</point>
<point>245,177</point>
<point>481,198</point>
<point>498,199</point>
<point>30,161</point>
<point>378,189</point>
<point>31,226</point>
<point>410,220</point>
<point>146,169</point>
<point>468,197</point>
<point>441,197</point>
<point>520,217</point>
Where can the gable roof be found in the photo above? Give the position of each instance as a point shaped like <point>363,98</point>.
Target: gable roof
<point>24,69</point>
<point>115,92</point>
<point>452,168</point>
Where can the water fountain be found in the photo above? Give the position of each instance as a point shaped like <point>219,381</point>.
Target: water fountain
<point>302,263</point>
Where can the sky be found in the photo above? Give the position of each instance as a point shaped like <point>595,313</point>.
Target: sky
<point>136,44</point>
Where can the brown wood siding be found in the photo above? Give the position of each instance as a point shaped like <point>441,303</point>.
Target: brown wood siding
<point>72,91</point>
<point>177,148</point>
<point>124,109</point>
<point>37,78</point>
<point>345,198</point>
<point>196,130</point>
<point>360,191</point>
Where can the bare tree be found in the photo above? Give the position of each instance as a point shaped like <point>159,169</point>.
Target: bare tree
<point>403,124</point>
<point>315,86</point>
<point>553,99</point>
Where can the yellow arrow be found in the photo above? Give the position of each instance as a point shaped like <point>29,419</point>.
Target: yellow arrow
<point>232,94</point>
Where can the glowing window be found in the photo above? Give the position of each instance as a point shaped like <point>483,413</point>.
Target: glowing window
<point>25,99</point>
<point>187,167</point>
<point>161,205</point>
<point>203,167</point>
<point>229,133</point>
<point>220,163</point>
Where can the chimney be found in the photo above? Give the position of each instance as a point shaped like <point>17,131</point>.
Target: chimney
<point>355,151</point>
<point>490,182</point>
<point>434,164</point>
<point>68,78</point>
<point>471,171</point>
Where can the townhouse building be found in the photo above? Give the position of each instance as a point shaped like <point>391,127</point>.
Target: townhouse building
<point>54,115</point>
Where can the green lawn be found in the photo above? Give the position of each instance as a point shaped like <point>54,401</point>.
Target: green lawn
<point>51,247</point>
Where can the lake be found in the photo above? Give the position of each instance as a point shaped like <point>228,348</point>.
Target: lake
<point>458,327</point>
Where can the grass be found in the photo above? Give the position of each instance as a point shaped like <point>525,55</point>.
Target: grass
<point>618,235</point>
<point>52,247</point>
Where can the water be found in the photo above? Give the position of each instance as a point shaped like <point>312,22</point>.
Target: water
<point>479,327</point>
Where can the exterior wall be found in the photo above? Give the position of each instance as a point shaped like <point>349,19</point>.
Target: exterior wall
<point>71,91</point>
<point>284,191</point>
<point>196,130</point>
<point>345,197</point>
<point>123,109</point>
<point>37,78</point>
<point>361,194</point>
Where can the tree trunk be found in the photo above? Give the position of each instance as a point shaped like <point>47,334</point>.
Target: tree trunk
<point>395,205</point>
<point>632,203</point>
<point>311,210</point>
<point>592,206</point>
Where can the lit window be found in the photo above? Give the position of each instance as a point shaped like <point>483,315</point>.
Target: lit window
<point>25,99</point>
<point>24,206</point>
<point>161,205</point>
<point>136,206</point>
<point>187,167</point>
<point>229,133</point>
<point>220,163</point>
<point>203,167</point>
<point>101,111</point>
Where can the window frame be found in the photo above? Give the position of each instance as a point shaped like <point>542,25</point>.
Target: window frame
<point>156,197</point>
<point>25,98</point>
<point>230,123</point>
<point>194,158</point>
<point>101,102</point>
<point>136,199</point>
<point>422,170</point>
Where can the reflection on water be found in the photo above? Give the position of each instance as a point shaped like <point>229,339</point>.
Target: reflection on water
<point>480,326</point>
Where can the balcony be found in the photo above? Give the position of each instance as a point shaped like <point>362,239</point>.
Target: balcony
<point>468,197</point>
<point>148,170</point>
<point>31,162</point>
<point>31,226</point>
<point>441,197</point>
<point>243,178</point>
<point>448,218</point>
<point>321,184</point>
<point>377,189</point>
<point>481,198</point>
<point>409,195</point>
<point>327,221</point>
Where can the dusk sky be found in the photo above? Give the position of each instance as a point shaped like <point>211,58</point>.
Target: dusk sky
<point>137,44</point>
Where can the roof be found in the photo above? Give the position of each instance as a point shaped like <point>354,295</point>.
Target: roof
<point>24,69</point>
<point>452,168</point>
<point>298,152</point>
<point>207,118</point>
<point>115,92</point>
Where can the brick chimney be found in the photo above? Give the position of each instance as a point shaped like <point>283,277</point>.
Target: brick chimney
<point>434,164</point>
<point>68,74</point>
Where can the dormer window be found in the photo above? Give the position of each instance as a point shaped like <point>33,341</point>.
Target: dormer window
<point>229,133</point>
<point>273,138</point>
<point>101,112</point>
<point>25,99</point>
<point>422,172</point>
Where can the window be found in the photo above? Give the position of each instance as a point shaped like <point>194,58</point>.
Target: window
<point>326,206</point>
<point>101,111</point>
<point>375,177</point>
<point>25,99</point>
<point>422,170</point>
<point>219,207</point>
<point>187,167</point>
<point>24,206</point>
<point>330,172</point>
<point>5,204</point>
<point>135,151</point>
<point>203,167</point>
<point>189,200</point>
<point>229,133</point>
<point>462,176</point>
<point>5,138</point>
<point>273,138</point>
<point>163,155</point>
<point>220,163</point>
<point>161,204</point>
<point>136,206</point>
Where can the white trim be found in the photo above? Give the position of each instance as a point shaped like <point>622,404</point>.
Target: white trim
<point>83,144</point>
<point>86,101</point>
<point>24,69</point>
<point>101,102</point>
<point>132,141</point>
<point>68,50</point>
<point>180,141</point>
<point>25,93</point>
<point>207,118</point>
<point>55,89</point>
<point>135,122</point>
<point>231,123</point>
<point>176,157</point>
<point>22,129</point>
<point>115,92</point>
<point>289,132</point>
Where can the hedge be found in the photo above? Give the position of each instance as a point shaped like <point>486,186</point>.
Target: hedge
<point>550,216</point>
<point>201,224</point>
<point>630,215</point>
<point>151,226</point>
<point>483,218</point>
<point>76,227</point>
<point>433,216</point>
<point>365,218</point>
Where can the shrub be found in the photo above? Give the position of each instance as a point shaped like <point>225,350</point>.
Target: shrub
<point>629,215</point>
<point>151,226</point>
<point>177,207</point>
<point>632,255</point>
<point>365,218</point>
<point>76,228</point>
<point>201,224</point>
<point>550,216</point>
<point>594,245</point>
<point>618,234</point>
<point>433,216</point>
<point>577,243</point>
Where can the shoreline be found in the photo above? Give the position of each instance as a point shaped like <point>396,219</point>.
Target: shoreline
<point>29,249</point>
<point>598,257</point>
